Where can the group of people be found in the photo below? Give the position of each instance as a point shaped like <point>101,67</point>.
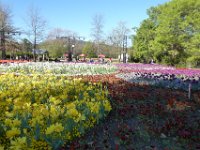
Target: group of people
<point>104,61</point>
<point>101,60</point>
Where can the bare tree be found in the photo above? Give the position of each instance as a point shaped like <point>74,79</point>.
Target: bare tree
<point>58,33</point>
<point>97,30</point>
<point>37,25</point>
<point>5,27</point>
<point>118,35</point>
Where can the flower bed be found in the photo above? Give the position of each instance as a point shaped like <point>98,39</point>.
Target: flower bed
<point>161,76</point>
<point>67,69</point>
<point>45,112</point>
<point>163,80</point>
<point>13,61</point>
<point>161,69</point>
<point>144,117</point>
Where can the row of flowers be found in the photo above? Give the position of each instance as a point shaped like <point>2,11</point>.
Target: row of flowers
<point>156,68</point>
<point>165,81</point>
<point>46,112</point>
<point>13,61</point>
<point>160,76</point>
<point>69,69</point>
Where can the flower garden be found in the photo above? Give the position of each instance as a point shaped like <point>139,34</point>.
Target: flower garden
<point>96,106</point>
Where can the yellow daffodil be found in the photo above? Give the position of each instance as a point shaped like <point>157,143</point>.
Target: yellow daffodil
<point>8,122</point>
<point>16,122</point>
<point>19,144</point>
<point>13,132</point>
<point>54,128</point>
<point>107,106</point>
<point>72,112</point>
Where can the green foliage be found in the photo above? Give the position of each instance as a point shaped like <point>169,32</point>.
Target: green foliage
<point>142,41</point>
<point>55,48</point>
<point>193,61</point>
<point>171,34</point>
<point>89,50</point>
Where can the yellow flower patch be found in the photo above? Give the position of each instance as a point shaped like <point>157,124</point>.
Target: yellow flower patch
<point>43,109</point>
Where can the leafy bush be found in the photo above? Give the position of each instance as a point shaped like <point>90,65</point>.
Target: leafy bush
<point>193,61</point>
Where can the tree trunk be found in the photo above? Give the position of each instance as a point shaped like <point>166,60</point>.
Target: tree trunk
<point>3,44</point>
<point>34,49</point>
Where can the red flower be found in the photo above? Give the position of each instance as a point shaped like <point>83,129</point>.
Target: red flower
<point>184,134</point>
<point>171,102</point>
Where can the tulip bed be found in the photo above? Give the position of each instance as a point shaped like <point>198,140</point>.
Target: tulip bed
<point>68,106</point>
<point>161,76</point>
<point>51,68</point>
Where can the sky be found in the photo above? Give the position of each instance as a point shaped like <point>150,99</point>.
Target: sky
<point>76,15</point>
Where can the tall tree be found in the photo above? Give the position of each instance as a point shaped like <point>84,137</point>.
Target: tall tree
<point>171,33</point>
<point>117,36</point>
<point>37,25</point>
<point>142,41</point>
<point>56,47</point>
<point>88,49</point>
<point>97,30</point>
<point>5,26</point>
<point>145,34</point>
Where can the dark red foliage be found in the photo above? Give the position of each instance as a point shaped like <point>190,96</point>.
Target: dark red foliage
<point>130,101</point>
<point>184,134</point>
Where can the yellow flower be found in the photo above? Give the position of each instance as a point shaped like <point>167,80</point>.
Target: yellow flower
<point>35,104</point>
<point>25,131</point>
<point>68,136</point>
<point>37,119</point>
<point>55,128</point>
<point>54,100</point>
<point>59,127</point>
<point>39,145</point>
<point>9,114</point>
<point>34,101</point>
<point>76,132</point>
<point>21,85</point>
<point>1,147</point>
<point>53,110</point>
<point>71,105</point>
<point>72,112</point>
<point>13,132</point>
<point>107,106</point>
<point>8,122</point>
<point>3,103</point>
<point>16,122</point>
<point>19,144</point>
<point>94,107</point>
<point>45,112</point>
<point>28,105</point>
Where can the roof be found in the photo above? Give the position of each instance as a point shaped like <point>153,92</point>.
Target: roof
<point>101,56</point>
